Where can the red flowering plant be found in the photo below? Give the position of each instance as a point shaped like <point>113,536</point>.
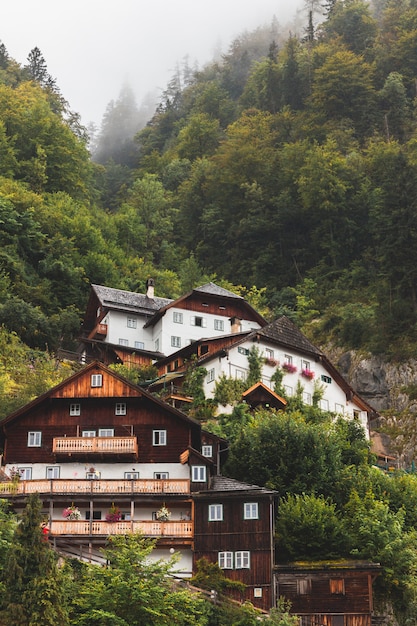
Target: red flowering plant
<point>307,374</point>
<point>114,514</point>
<point>289,367</point>
<point>71,512</point>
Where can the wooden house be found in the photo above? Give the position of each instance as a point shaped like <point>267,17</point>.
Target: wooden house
<point>329,594</point>
<point>108,457</point>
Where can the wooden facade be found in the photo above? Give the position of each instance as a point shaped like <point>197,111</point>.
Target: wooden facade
<point>97,440</point>
<point>331,594</point>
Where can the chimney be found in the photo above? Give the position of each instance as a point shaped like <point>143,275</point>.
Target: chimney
<point>236,324</point>
<point>150,288</point>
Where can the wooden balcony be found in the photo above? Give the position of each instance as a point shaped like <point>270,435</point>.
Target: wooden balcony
<point>90,487</point>
<point>98,332</point>
<point>85,446</point>
<point>148,528</point>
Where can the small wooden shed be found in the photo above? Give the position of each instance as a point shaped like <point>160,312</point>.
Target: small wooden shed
<point>328,593</point>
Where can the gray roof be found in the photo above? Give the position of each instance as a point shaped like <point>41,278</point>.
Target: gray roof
<point>215,290</point>
<point>223,483</point>
<point>129,300</point>
<point>284,331</point>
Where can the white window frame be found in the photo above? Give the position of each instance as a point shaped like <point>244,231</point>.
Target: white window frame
<point>120,408</point>
<point>132,322</point>
<point>96,380</point>
<point>324,404</point>
<point>89,433</point>
<point>178,317</point>
<point>240,374</point>
<point>242,559</point>
<point>123,342</point>
<point>75,408</point>
<point>269,354</point>
<point>219,325</point>
<point>53,471</point>
<point>207,451</point>
<point>159,437</point>
<point>198,320</point>
<point>305,365</point>
<point>92,475</point>
<point>288,359</point>
<point>211,375</point>
<point>251,510</point>
<point>215,513</point>
<point>225,560</point>
<point>139,345</point>
<point>131,475</point>
<point>198,473</point>
<point>25,473</point>
<point>307,399</point>
<point>157,345</point>
<point>175,341</point>
<point>34,439</point>
<point>161,475</point>
<point>106,432</point>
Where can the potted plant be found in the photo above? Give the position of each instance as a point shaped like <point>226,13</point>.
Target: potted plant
<point>114,514</point>
<point>271,362</point>
<point>71,512</point>
<point>163,515</point>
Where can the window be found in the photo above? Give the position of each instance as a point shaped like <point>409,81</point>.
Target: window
<point>211,375</point>
<point>198,321</point>
<point>306,397</point>
<point>215,512</point>
<point>93,475</point>
<point>257,592</point>
<point>207,451</point>
<point>175,342</point>
<point>106,432</point>
<point>240,375</point>
<point>88,433</point>
<point>339,408</point>
<point>288,359</point>
<point>226,560</point>
<point>159,437</point>
<point>131,475</point>
<point>75,409</point>
<point>303,586</point>
<point>244,351</point>
<point>337,586</point>
<point>324,404</point>
<point>305,365</point>
<point>132,322</point>
<point>242,559</point>
<point>178,317</point>
<point>326,379</point>
<point>269,354</point>
<point>53,472</point>
<point>123,342</point>
<point>139,345</point>
<point>161,475</point>
<point>96,515</point>
<point>96,380</point>
<point>34,439</point>
<point>250,510</point>
<point>198,473</point>
<point>219,325</point>
<point>25,473</point>
<point>120,408</point>
<point>157,345</point>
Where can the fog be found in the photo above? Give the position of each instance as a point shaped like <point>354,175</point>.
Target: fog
<point>93,47</point>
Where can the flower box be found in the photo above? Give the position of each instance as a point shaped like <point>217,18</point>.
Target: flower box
<point>307,374</point>
<point>270,362</point>
<point>289,367</point>
<point>71,513</point>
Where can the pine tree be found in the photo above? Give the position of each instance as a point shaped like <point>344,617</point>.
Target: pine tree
<point>33,593</point>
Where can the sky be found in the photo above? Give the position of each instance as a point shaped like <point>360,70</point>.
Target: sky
<point>93,47</point>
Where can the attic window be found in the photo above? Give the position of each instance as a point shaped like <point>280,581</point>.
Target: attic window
<point>204,349</point>
<point>96,380</point>
<point>204,304</point>
<point>75,409</point>
<point>326,379</point>
<point>34,439</point>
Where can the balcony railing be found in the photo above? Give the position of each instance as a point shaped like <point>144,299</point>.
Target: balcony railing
<point>150,529</point>
<point>88,487</point>
<point>95,445</point>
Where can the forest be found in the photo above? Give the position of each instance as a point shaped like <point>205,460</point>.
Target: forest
<point>285,171</point>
